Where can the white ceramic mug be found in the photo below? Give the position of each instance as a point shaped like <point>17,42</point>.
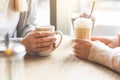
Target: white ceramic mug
<point>50,28</point>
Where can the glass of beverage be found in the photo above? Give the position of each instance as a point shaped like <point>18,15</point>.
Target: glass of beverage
<point>12,61</point>
<point>83,28</point>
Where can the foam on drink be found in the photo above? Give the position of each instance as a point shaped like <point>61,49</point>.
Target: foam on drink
<point>82,28</point>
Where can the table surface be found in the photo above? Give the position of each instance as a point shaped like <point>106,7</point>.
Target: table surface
<point>63,65</point>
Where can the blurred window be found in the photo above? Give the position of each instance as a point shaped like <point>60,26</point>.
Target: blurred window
<point>43,12</point>
<point>106,13</point>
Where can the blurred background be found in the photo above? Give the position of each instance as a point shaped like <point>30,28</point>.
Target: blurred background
<point>106,13</point>
<point>43,11</point>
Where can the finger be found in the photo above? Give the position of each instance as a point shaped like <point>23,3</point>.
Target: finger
<point>38,34</point>
<point>35,50</point>
<point>80,41</point>
<point>77,55</point>
<point>94,38</point>
<point>45,44</point>
<point>81,56</point>
<point>45,39</point>
<point>102,39</point>
<point>54,45</point>
<point>77,47</point>
<point>42,49</point>
<point>77,51</point>
<point>83,43</point>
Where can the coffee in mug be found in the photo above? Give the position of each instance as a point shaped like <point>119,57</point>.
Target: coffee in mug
<point>59,39</point>
<point>82,28</point>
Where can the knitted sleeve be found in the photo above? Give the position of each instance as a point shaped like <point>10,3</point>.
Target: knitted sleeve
<point>102,54</point>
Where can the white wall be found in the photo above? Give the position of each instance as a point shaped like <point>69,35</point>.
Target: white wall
<point>63,16</point>
<point>103,30</point>
<point>42,11</point>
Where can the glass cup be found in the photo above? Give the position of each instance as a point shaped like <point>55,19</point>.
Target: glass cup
<point>12,65</point>
<point>59,39</point>
<point>83,28</point>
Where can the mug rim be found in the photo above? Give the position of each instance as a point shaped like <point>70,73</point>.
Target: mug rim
<point>45,28</point>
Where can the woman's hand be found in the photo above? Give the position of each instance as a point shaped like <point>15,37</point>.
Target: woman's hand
<point>38,41</point>
<point>112,42</point>
<point>82,48</point>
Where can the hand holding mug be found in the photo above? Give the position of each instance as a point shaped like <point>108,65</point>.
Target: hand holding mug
<point>52,47</point>
<point>38,41</point>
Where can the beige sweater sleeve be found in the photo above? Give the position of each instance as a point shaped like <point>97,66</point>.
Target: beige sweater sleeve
<point>102,54</point>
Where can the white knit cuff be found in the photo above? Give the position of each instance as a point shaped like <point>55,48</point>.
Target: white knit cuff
<point>100,53</point>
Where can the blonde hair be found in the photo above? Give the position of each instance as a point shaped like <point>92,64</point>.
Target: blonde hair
<point>19,5</point>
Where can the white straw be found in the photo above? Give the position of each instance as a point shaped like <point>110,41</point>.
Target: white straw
<point>93,4</point>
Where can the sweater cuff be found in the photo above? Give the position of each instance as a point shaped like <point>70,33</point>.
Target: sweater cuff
<point>28,30</point>
<point>100,53</point>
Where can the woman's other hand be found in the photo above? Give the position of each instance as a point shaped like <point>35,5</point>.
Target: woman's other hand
<point>82,47</point>
<point>112,42</point>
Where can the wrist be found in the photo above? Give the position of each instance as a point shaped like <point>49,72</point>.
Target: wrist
<point>100,53</point>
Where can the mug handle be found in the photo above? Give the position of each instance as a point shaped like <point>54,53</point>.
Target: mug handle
<point>61,37</point>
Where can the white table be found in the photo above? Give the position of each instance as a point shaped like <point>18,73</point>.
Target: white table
<point>63,65</point>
